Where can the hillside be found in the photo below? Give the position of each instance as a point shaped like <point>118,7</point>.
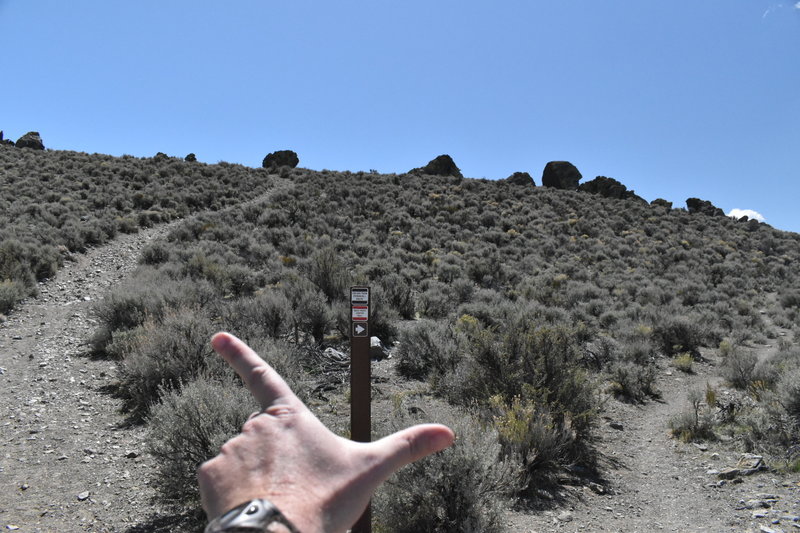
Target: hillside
<point>55,202</point>
<point>524,316</point>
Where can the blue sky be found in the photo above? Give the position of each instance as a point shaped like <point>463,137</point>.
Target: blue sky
<point>674,99</point>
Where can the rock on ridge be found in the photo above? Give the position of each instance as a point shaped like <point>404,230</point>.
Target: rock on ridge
<point>521,178</point>
<point>281,158</point>
<point>561,175</point>
<point>32,140</point>
<point>442,165</point>
<point>609,188</point>
<point>662,203</point>
<point>703,207</point>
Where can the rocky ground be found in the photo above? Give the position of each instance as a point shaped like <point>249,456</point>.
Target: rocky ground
<point>69,462</point>
<point>654,482</point>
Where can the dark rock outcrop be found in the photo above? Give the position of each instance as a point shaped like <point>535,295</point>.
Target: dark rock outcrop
<point>662,203</point>
<point>442,165</point>
<point>191,158</point>
<point>521,178</point>
<point>31,140</point>
<point>281,158</point>
<point>561,175</point>
<point>609,188</point>
<point>703,207</point>
<point>5,141</point>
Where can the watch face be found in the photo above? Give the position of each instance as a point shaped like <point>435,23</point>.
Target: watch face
<point>255,515</point>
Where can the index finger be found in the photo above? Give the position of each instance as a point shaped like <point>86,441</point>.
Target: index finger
<point>261,379</point>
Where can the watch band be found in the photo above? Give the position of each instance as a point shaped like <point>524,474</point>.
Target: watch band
<point>255,515</point>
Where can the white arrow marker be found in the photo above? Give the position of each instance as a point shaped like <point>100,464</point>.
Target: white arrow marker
<point>360,329</point>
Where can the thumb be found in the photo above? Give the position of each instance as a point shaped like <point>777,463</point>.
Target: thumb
<point>409,445</point>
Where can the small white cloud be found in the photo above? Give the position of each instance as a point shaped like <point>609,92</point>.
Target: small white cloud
<point>749,213</point>
<point>797,5</point>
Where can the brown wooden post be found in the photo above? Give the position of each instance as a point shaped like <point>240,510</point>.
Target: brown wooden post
<point>360,382</point>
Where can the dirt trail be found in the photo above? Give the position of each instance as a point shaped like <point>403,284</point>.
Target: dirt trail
<point>658,483</point>
<point>66,461</point>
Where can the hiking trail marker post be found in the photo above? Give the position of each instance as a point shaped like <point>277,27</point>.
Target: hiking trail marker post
<point>360,382</point>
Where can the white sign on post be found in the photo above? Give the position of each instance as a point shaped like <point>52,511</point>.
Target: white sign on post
<point>359,296</point>
<point>360,313</point>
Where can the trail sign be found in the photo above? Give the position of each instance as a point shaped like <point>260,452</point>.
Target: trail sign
<point>360,329</point>
<point>360,382</point>
<point>359,295</point>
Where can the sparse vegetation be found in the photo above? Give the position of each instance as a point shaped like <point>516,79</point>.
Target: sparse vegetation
<point>53,203</point>
<point>515,307</point>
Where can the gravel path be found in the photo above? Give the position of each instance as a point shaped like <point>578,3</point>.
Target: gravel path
<point>657,483</point>
<point>67,462</point>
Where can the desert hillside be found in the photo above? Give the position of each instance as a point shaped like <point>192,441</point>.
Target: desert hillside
<point>573,334</point>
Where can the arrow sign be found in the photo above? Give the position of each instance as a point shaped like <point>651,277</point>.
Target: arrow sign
<point>359,329</point>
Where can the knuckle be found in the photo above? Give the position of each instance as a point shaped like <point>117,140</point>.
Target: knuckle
<point>260,373</point>
<point>280,411</point>
<point>251,425</point>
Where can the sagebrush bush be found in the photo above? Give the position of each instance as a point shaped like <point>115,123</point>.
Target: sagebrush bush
<point>542,441</point>
<point>160,355</point>
<point>788,391</point>
<point>678,335</point>
<point>697,422</point>
<point>464,488</point>
<point>188,426</point>
<point>144,296</point>
<point>266,313</point>
<point>527,361</point>
<point>683,362</point>
<point>632,381</point>
<point>739,367</point>
<point>427,350</point>
<point>11,292</point>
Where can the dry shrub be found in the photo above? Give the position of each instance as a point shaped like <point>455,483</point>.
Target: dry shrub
<point>428,350</point>
<point>696,423</point>
<point>542,441</point>
<point>11,292</point>
<point>159,356</point>
<point>464,488</point>
<point>188,427</point>
<point>632,381</point>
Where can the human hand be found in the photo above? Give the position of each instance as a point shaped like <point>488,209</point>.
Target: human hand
<point>321,482</point>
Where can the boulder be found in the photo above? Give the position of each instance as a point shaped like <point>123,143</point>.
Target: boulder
<point>160,156</point>
<point>281,158</point>
<point>609,188</point>
<point>376,349</point>
<point>191,158</point>
<point>561,175</point>
<point>662,203</point>
<point>521,178</point>
<point>703,207</point>
<point>442,165</point>
<point>31,140</point>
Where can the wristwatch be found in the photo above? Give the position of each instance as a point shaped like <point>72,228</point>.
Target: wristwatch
<point>256,515</point>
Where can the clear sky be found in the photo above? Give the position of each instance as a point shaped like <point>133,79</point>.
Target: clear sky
<point>674,99</point>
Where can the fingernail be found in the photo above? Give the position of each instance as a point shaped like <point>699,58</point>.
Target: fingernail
<point>220,341</point>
